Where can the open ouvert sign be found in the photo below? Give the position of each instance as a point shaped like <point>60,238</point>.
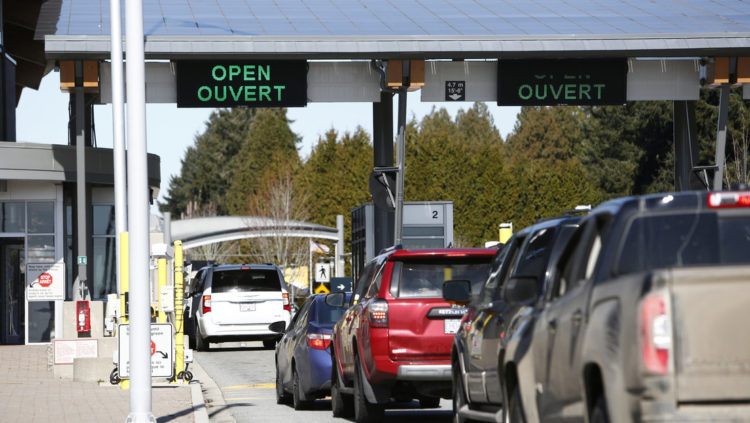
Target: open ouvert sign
<point>273,83</point>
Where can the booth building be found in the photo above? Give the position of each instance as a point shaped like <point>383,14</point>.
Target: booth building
<point>38,201</point>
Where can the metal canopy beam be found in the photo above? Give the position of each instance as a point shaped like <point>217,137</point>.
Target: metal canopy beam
<point>357,82</point>
<point>413,47</point>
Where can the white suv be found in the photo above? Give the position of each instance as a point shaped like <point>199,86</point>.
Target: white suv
<point>236,303</point>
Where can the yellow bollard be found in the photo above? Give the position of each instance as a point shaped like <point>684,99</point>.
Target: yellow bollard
<point>179,362</point>
<point>505,231</point>
<point>162,263</point>
<point>124,288</point>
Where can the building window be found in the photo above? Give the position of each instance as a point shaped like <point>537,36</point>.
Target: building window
<point>12,217</point>
<point>104,259</point>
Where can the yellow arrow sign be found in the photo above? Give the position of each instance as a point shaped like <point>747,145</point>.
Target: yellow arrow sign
<point>322,289</point>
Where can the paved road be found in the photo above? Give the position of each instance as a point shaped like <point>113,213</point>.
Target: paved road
<point>245,374</point>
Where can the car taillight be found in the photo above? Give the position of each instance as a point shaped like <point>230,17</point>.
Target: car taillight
<point>287,306</point>
<point>319,341</point>
<point>656,334</point>
<point>378,310</point>
<point>725,200</point>
<point>206,304</point>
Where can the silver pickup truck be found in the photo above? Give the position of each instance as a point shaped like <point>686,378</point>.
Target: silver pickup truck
<point>645,317</point>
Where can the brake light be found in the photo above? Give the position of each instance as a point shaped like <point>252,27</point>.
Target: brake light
<point>378,313</point>
<point>725,200</point>
<point>656,334</point>
<point>206,304</point>
<point>287,306</point>
<point>318,341</point>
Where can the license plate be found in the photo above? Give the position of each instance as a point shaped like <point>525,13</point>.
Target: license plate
<point>451,325</point>
<point>247,307</point>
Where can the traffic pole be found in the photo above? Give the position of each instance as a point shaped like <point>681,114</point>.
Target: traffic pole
<point>162,270</point>
<point>124,271</point>
<point>138,218</point>
<point>179,361</point>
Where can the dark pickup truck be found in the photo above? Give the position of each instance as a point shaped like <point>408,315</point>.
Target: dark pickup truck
<point>643,318</point>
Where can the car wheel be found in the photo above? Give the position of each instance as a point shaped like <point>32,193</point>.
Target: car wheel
<point>429,402</point>
<point>281,396</point>
<point>364,411</point>
<point>599,413</point>
<point>269,344</point>
<point>515,408</point>
<point>201,344</point>
<point>459,397</point>
<point>299,400</point>
<point>341,404</point>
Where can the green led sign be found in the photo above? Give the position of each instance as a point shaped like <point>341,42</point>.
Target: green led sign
<point>272,83</point>
<point>561,82</point>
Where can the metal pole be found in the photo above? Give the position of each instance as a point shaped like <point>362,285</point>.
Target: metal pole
<point>167,227</point>
<point>179,341</point>
<point>82,289</point>
<point>138,216</point>
<point>118,129</point>
<point>162,272</point>
<point>124,288</point>
<point>400,158</point>
<point>721,136</point>
<point>310,269</point>
<point>340,245</point>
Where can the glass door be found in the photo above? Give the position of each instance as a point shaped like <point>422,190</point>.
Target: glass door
<point>12,284</point>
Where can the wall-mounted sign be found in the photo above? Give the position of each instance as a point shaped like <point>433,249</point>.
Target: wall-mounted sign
<point>561,82</point>
<point>45,281</point>
<point>270,83</point>
<point>455,90</point>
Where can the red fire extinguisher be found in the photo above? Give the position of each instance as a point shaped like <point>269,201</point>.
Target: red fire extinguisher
<point>82,314</point>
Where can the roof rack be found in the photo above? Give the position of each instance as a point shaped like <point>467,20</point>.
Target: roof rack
<point>391,248</point>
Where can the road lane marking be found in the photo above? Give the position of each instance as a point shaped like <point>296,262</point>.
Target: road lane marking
<point>257,385</point>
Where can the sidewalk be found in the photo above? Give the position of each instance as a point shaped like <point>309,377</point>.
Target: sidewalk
<point>29,392</point>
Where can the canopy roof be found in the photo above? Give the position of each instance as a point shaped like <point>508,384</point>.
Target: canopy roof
<point>356,29</point>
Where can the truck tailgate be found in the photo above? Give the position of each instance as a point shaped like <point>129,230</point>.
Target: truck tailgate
<point>712,333</point>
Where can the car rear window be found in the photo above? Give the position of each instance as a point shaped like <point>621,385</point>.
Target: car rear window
<point>424,279</point>
<point>245,280</point>
<point>325,314</point>
<point>694,239</point>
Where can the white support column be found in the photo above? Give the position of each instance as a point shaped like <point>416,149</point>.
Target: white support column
<point>118,129</point>
<point>138,219</point>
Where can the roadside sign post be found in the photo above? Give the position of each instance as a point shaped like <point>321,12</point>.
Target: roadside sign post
<point>162,350</point>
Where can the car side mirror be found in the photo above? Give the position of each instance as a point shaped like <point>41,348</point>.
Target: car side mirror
<point>457,291</point>
<point>522,290</point>
<point>278,327</point>
<point>336,299</point>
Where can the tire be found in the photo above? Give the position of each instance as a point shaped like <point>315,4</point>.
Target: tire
<point>459,397</point>
<point>190,332</point>
<point>299,400</point>
<point>201,344</point>
<point>269,344</point>
<point>364,411</point>
<point>341,404</point>
<point>281,396</point>
<point>515,407</point>
<point>599,413</point>
<point>429,402</point>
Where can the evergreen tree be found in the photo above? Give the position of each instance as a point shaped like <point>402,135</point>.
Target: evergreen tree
<point>204,177</point>
<point>269,139</point>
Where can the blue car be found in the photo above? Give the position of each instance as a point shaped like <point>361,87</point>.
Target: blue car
<point>303,356</point>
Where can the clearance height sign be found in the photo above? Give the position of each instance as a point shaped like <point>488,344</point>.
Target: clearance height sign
<point>561,82</point>
<point>241,83</point>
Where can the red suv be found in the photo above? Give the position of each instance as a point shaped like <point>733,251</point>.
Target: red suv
<point>394,341</point>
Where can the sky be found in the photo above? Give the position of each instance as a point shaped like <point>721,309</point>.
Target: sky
<point>41,116</point>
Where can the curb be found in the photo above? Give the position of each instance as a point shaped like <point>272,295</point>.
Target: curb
<point>207,395</point>
<point>199,406</point>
